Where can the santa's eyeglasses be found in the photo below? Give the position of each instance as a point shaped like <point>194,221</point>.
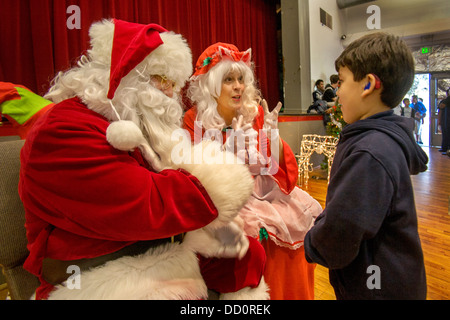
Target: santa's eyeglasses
<point>163,81</point>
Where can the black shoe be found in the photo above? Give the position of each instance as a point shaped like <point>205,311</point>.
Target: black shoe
<point>441,150</point>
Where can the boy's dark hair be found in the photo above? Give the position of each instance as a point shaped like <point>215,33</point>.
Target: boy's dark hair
<point>384,55</point>
<point>334,78</point>
<point>318,82</point>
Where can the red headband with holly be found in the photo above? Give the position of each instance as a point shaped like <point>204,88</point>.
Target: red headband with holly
<point>218,52</point>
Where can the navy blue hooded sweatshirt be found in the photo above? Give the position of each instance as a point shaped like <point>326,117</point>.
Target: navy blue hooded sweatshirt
<point>367,234</point>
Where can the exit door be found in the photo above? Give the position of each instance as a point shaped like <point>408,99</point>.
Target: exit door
<point>439,83</point>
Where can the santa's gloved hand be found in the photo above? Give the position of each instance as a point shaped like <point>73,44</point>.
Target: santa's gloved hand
<point>228,241</point>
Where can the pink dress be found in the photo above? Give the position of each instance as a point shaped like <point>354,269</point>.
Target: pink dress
<point>279,214</point>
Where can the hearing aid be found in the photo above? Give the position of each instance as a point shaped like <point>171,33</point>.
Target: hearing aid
<point>377,82</point>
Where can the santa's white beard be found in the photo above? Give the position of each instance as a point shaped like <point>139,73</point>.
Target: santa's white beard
<point>136,100</point>
<point>156,114</point>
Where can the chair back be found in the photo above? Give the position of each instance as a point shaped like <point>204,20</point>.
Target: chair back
<point>13,240</point>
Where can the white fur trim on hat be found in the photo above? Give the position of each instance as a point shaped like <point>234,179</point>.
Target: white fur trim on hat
<point>101,36</point>
<point>172,59</point>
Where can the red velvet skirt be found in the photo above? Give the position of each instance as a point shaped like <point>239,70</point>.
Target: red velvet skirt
<point>288,274</point>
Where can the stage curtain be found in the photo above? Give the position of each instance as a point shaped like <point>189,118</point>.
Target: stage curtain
<point>36,42</point>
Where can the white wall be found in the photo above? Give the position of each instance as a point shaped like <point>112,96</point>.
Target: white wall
<point>326,44</point>
<point>292,133</point>
<point>419,22</point>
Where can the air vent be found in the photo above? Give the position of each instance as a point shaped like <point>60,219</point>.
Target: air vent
<point>326,19</point>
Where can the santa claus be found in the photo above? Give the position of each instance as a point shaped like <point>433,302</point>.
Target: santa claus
<point>108,213</point>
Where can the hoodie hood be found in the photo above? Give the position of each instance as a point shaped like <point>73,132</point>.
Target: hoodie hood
<point>400,129</point>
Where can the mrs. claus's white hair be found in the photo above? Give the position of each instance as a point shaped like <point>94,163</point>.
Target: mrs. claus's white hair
<point>206,88</point>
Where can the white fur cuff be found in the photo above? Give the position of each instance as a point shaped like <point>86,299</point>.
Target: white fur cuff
<point>228,183</point>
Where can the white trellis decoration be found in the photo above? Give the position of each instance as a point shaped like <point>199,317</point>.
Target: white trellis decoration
<point>314,143</point>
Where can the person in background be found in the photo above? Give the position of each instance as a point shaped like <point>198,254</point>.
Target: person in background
<point>420,112</point>
<point>398,110</point>
<point>319,105</point>
<point>367,234</point>
<point>329,95</point>
<point>227,103</point>
<point>320,87</point>
<point>407,110</point>
<point>444,122</point>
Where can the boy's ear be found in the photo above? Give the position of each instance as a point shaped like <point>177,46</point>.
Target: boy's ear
<point>372,82</point>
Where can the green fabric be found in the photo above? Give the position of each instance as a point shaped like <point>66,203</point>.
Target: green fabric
<point>23,109</point>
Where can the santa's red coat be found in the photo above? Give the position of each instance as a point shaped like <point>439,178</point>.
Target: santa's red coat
<point>83,198</point>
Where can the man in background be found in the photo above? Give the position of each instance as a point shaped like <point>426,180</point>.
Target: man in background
<point>444,122</point>
<point>420,112</point>
<point>329,94</point>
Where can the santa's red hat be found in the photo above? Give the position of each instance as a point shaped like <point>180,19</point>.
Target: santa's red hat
<point>164,52</point>
<point>132,43</point>
<point>123,46</point>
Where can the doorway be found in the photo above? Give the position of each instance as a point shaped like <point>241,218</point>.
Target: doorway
<point>431,87</point>
<point>421,88</point>
<point>439,83</point>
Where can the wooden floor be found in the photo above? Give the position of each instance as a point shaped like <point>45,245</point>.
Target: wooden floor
<point>432,197</point>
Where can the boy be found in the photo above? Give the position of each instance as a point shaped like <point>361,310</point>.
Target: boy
<point>407,110</point>
<point>367,235</point>
<point>329,95</point>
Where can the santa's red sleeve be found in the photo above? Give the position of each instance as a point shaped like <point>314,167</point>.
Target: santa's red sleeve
<point>81,193</point>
